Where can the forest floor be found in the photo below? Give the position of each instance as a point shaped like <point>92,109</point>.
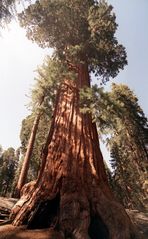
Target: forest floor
<point>7,231</point>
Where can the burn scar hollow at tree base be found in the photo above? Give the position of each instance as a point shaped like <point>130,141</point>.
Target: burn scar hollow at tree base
<point>46,214</point>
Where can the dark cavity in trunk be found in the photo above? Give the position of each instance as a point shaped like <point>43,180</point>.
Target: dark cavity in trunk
<point>46,214</point>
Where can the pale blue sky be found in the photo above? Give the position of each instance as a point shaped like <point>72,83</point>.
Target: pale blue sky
<point>132,17</point>
<point>19,58</point>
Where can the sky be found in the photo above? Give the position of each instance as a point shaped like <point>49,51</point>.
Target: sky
<point>132,32</point>
<point>19,59</point>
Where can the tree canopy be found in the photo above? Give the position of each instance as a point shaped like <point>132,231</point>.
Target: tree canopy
<point>8,10</point>
<point>78,31</point>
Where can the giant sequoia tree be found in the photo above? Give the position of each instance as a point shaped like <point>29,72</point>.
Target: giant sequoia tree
<point>71,192</point>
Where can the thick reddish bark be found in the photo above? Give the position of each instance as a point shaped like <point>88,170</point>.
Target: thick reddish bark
<point>72,188</point>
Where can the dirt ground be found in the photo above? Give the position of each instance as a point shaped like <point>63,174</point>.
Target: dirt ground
<point>11,232</point>
<point>7,231</point>
<point>140,219</point>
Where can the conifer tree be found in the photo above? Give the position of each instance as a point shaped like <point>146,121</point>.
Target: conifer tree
<point>72,186</point>
<point>40,140</point>
<point>126,131</point>
<point>8,165</point>
<point>129,137</point>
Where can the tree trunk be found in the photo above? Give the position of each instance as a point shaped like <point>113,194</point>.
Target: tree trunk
<point>72,194</point>
<point>25,165</point>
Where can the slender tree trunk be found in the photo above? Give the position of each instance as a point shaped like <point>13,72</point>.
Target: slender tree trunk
<point>72,192</point>
<point>26,161</point>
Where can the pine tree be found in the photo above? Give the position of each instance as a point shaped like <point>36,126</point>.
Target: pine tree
<point>73,181</point>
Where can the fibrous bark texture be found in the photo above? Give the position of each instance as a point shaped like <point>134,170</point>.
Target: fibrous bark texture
<point>71,193</point>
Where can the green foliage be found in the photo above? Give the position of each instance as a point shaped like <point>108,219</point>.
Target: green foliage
<point>127,180</point>
<point>42,102</point>
<point>41,136</point>
<point>133,122</point>
<point>8,164</point>
<point>49,77</point>
<point>8,10</point>
<point>120,118</point>
<point>79,31</point>
<point>88,99</point>
<point>128,129</point>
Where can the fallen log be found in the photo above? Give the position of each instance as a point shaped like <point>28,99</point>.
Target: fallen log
<point>6,205</point>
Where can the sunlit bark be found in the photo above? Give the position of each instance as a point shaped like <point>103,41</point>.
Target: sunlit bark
<point>72,192</point>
